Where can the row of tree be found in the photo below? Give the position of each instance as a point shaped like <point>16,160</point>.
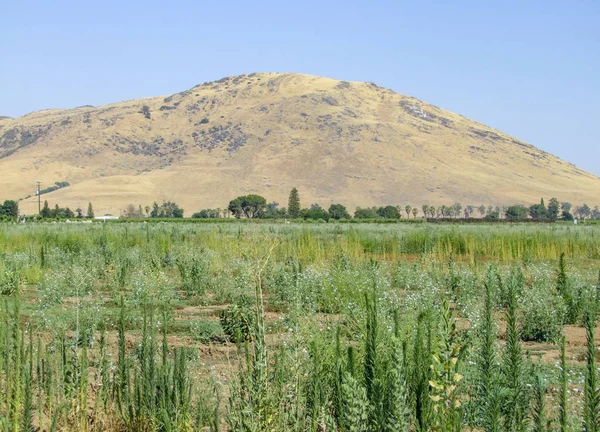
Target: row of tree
<point>256,206</point>
<point>167,209</point>
<point>65,213</point>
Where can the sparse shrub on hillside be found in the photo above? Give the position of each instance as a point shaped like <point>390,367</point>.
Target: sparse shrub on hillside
<point>146,111</point>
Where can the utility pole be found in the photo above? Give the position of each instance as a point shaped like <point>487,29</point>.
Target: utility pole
<point>37,192</point>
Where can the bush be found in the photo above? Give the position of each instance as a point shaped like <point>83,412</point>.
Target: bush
<point>238,319</point>
<point>543,312</point>
<point>205,331</point>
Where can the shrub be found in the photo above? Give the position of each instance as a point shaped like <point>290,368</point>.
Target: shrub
<point>543,312</point>
<point>238,319</point>
<point>206,331</point>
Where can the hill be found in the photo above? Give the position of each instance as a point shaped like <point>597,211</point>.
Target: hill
<point>349,142</point>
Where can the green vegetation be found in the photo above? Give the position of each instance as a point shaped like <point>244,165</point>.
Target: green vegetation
<point>9,210</point>
<point>57,185</point>
<point>167,209</point>
<point>293,207</point>
<point>339,327</point>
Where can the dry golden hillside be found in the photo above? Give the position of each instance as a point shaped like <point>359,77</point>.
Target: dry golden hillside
<point>349,142</point>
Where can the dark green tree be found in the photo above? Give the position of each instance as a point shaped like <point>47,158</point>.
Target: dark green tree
<point>10,208</point>
<point>366,213</point>
<point>46,212</point>
<point>538,211</point>
<point>250,206</point>
<point>90,212</point>
<point>294,204</point>
<point>391,212</point>
<point>338,211</point>
<point>155,210</point>
<point>315,212</point>
<point>516,211</point>
<point>553,209</point>
<point>584,211</point>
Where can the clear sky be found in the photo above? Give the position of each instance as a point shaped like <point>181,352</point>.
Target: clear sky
<point>530,68</point>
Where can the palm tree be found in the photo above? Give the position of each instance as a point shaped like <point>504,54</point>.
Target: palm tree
<point>408,208</point>
<point>415,212</point>
<point>425,209</point>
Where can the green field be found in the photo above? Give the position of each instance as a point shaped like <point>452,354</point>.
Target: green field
<point>298,327</point>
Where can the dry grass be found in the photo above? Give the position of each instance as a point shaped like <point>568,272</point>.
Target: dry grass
<point>354,143</point>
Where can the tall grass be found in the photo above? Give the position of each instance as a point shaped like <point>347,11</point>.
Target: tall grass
<point>345,327</point>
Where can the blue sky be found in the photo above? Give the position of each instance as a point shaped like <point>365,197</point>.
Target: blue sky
<point>529,68</point>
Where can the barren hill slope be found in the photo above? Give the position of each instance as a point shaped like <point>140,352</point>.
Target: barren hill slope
<point>349,142</point>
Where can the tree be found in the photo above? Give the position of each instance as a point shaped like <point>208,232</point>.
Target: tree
<point>90,211</point>
<point>368,213</point>
<point>584,211</point>
<point>596,213</point>
<point>566,216</point>
<point>457,207</point>
<point>566,206</point>
<point>293,208</point>
<point>481,210</point>
<point>516,211</point>
<point>315,212</point>
<point>147,208</point>
<point>553,209</point>
<point>388,212</point>
<point>131,212</point>
<point>338,211</point>
<point>273,211</point>
<point>46,212</point>
<point>538,211</point>
<point>250,206</point>
<point>415,212</point>
<point>167,209</point>
<point>470,210</point>
<point>10,208</point>
<point>79,213</point>
<point>207,214</point>
<point>155,210</point>
<point>407,209</point>
<point>425,209</point>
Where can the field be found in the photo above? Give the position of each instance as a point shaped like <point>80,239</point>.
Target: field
<point>298,327</point>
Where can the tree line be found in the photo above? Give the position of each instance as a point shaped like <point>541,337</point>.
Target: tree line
<point>256,206</point>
